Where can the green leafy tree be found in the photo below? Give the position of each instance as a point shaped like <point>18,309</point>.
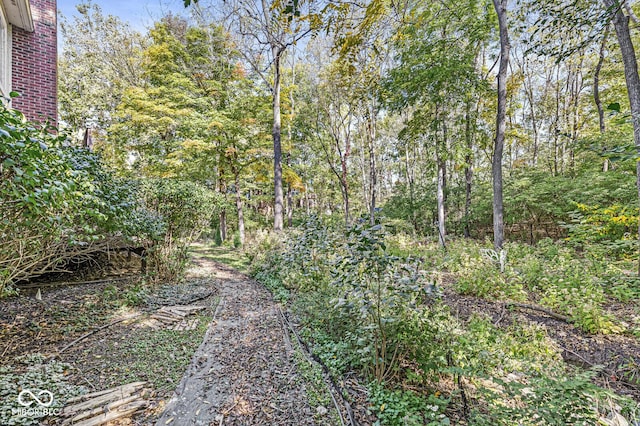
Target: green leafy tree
<point>266,29</point>
<point>436,80</point>
<point>101,57</point>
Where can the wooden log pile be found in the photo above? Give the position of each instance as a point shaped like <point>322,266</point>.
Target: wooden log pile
<point>98,408</point>
<point>175,317</point>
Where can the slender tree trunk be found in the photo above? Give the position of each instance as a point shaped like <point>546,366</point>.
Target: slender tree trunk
<point>371,136</point>
<point>278,221</point>
<point>621,24</point>
<point>596,91</point>
<point>468,169</point>
<point>222,187</point>
<point>365,179</point>
<point>410,181</point>
<point>223,225</point>
<point>289,206</point>
<point>496,167</point>
<point>556,126</point>
<point>442,232</point>
<point>239,208</point>
<point>627,7</point>
<point>528,87</point>
<point>344,183</point>
<point>307,201</point>
<point>578,85</point>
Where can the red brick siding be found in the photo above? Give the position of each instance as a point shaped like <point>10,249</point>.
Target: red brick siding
<point>35,66</point>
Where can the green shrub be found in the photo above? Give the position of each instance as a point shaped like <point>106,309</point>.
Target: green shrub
<point>481,277</point>
<point>280,293</point>
<point>217,237</point>
<point>482,349</point>
<point>237,242</point>
<point>379,292</point>
<point>609,228</point>
<point>60,202</point>
<point>186,209</point>
<point>406,408</point>
<point>550,400</point>
<point>583,304</point>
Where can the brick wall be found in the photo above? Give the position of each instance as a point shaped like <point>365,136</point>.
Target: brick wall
<point>35,69</point>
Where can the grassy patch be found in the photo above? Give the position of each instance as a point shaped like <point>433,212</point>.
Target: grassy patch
<point>159,357</point>
<point>226,255</point>
<point>317,391</point>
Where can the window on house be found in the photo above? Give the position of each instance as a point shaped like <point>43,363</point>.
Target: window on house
<point>5,57</point>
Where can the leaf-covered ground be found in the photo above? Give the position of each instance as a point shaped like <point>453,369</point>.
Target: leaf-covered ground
<point>242,364</point>
<point>238,366</point>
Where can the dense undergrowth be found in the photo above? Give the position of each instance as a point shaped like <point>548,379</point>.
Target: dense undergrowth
<point>370,302</point>
<point>61,205</point>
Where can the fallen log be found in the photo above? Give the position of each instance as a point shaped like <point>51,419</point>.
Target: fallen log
<point>539,309</point>
<point>124,411</point>
<point>114,394</point>
<point>100,410</point>
<point>87,396</point>
<point>101,407</point>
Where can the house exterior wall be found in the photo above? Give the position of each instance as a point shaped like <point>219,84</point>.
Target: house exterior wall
<point>34,64</point>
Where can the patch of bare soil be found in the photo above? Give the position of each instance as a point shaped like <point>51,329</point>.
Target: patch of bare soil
<point>29,325</point>
<point>111,333</point>
<point>617,355</point>
<point>243,372</point>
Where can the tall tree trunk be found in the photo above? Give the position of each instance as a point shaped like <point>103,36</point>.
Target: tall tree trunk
<point>596,91</point>
<point>528,88</point>
<point>468,169</point>
<point>344,184</point>
<point>496,166</point>
<point>621,24</point>
<point>223,225</point>
<point>222,187</point>
<point>371,136</point>
<point>278,221</point>
<point>410,181</point>
<point>442,232</point>
<point>289,206</point>
<point>556,125</point>
<point>239,208</point>
<point>307,201</point>
<point>365,179</point>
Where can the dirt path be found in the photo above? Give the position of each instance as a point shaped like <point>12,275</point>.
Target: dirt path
<point>243,373</point>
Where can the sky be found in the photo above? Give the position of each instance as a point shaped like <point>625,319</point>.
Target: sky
<point>139,13</point>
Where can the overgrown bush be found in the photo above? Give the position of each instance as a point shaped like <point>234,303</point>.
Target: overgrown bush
<point>369,308</point>
<point>552,400</point>
<point>610,229</point>
<point>186,209</point>
<point>59,202</point>
<point>380,293</point>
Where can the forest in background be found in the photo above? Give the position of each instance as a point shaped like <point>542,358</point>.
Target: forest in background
<point>411,150</point>
<point>380,105</point>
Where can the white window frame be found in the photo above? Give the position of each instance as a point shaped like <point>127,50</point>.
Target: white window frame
<point>5,57</point>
